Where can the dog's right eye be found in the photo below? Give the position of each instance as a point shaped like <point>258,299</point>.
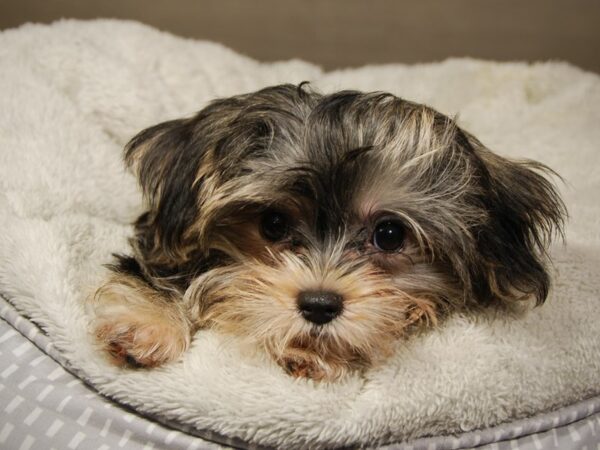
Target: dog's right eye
<point>274,225</point>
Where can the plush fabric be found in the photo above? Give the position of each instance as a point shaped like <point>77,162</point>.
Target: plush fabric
<point>74,92</point>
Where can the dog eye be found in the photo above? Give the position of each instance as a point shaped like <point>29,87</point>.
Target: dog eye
<point>388,235</point>
<point>274,225</point>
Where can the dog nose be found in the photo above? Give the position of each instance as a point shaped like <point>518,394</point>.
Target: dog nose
<point>320,307</point>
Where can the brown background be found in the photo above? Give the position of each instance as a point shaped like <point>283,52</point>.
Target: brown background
<point>341,33</point>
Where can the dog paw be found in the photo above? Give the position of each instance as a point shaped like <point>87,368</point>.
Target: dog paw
<point>305,365</point>
<point>139,342</point>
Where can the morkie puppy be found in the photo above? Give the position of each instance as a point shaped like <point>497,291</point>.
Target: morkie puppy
<point>320,228</point>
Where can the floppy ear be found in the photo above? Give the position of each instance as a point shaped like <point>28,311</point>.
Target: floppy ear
<point>166,160</point>
<point>525,212</point>
<point>181,164</point>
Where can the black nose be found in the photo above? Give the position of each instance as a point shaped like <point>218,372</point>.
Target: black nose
<point>320,307</point>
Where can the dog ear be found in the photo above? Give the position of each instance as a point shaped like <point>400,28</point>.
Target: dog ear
<point>173,161</point>
<point>525,212</point>
<point>167,160</point>
<point>180,164</point>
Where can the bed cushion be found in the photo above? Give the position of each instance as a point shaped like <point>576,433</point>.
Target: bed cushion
<point>73,94</point>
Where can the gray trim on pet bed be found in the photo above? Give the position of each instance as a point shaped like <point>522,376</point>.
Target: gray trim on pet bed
<point>563,423</point>
<point>518,430</point>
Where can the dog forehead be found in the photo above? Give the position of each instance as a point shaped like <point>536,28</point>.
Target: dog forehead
<point>344,152</point>
<point>323,188</point>
<point>318,179</point>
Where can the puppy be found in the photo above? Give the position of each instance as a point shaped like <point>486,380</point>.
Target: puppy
<point>320,228</point>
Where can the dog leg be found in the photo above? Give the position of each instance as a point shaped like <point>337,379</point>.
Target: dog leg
<point>137,325</point>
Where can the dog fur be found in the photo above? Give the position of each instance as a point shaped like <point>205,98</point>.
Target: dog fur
<point>336,169</point>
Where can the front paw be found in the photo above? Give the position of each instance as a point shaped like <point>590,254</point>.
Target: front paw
<point>136,340</point>
<point>301,364</point>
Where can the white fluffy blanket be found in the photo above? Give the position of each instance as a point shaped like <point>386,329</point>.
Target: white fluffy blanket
<point>74,92</point>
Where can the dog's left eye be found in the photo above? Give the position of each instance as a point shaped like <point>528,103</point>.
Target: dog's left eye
<point>388,235</point>
<point>274,225</point>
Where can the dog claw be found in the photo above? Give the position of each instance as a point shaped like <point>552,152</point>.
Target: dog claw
<point>301,367</point>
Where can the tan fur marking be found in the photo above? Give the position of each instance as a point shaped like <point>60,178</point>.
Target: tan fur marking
<point>136,325</point>
<point>256,302</point>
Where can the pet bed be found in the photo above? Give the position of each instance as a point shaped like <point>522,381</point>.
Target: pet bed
<point>74,92</point>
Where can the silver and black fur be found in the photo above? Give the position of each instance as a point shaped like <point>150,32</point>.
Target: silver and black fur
<point>320,228</point>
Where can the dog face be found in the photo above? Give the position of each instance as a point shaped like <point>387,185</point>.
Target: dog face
<point>323,227</point>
